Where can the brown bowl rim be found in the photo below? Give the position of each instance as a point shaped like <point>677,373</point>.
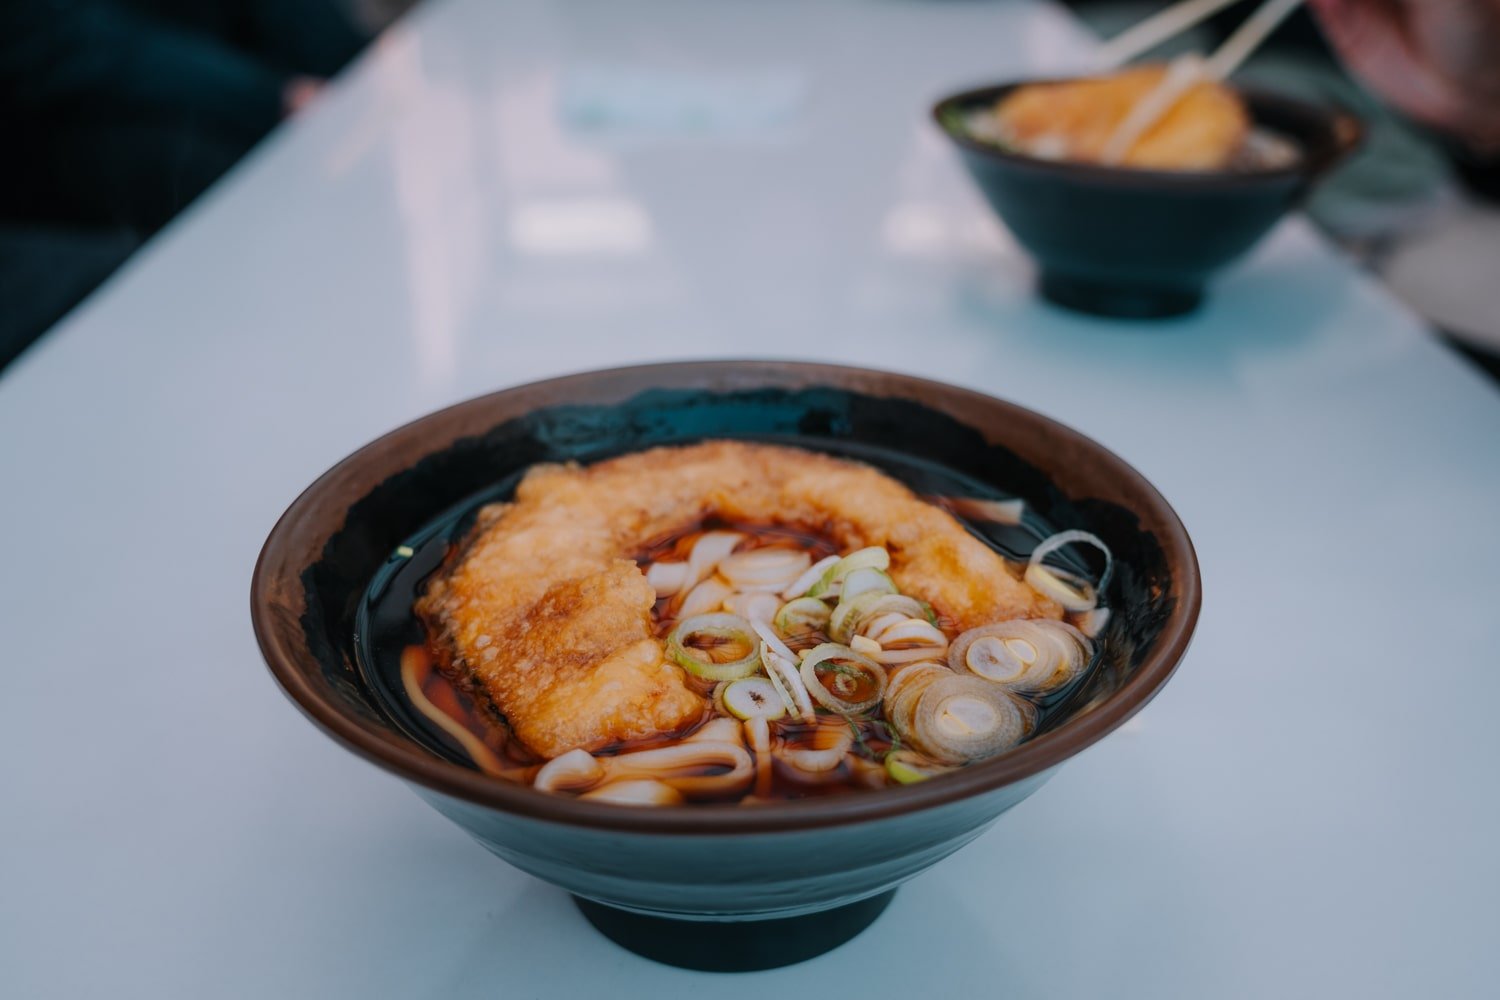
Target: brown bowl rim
<point>1347,128</point>
<point>416,765</point>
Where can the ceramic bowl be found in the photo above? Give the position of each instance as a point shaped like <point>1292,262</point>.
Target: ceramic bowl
<point>1143,243</point>
<point>800,876</point>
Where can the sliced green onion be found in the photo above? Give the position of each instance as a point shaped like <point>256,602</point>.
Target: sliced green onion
<point>767,633</point>
<point>842,680</point>
<point>1073,592</point>
<point>799,587</point>
<point>1032,656</point>
<point>873,625</point>
<point>854,613</point>
<point>908,767</point>
<point>694,643</point>
<point>905,688</point>
<point>802,616</point>
<point>908,640</point>
<point>788,681</point>
<point>874,557</point>
<point>832,580</point>
<point>845,619</point>
<point>898,677</point>
<point>959,719</point>
<point>781,666</point>
<point>1004,661</point>
<point>752,698</point>
<point>867,581</point>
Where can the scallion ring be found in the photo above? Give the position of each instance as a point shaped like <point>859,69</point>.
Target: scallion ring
<point>842,680</point>
<point>802,616</point>
<point>1071,591</point>
<point>716,646</point>
<point>907,767</point>
<point>873,557</point>
<point>867,580</point>
<point>1027,656</point>
<point>753,698</point>
<point>960,719</point>
<point>815,572</point>
<point>854,613</point>
<point>903,691</point>
<point>788,682</point>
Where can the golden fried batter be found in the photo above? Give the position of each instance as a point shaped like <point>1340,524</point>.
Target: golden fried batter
<point>1074,120</point>
<point>546,609</point>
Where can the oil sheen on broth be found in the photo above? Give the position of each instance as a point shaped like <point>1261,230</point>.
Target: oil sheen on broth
<point>816,674</point>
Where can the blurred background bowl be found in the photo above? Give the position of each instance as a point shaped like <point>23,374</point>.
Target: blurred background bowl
<point>1143,243</point>
<point>798,877</point>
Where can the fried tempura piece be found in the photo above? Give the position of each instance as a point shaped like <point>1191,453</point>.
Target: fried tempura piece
<point>545,608</point>
<point>1074,120</point>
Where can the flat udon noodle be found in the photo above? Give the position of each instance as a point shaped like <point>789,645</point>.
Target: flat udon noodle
<point>547,611</point>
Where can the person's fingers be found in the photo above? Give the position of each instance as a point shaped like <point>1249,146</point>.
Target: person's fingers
<point>1405,53</point>
<point>1370,37</point>
<point>1461,38</point>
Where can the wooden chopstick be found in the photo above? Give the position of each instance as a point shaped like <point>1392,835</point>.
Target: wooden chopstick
<point>1145,36</point>
<point>1185,72</point>
<point>1248,37</point>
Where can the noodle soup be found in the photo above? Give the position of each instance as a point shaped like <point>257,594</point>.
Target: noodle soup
<point>804,665</point>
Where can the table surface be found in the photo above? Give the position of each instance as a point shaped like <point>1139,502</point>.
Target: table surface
<point>502,192</point>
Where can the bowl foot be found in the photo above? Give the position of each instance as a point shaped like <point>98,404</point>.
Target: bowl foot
<point>741,946</point>
<point>1125,301</point>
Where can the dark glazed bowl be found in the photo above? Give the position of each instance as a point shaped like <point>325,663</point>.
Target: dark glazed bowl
<point>1143,243</point>
<point>635,870</point>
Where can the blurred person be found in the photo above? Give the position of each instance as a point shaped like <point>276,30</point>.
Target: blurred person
<point>120,112</point>
<point>1437,62</point>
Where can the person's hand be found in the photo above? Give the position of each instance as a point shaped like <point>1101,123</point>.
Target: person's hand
<point>299,92</point>
<point>1436,60</point>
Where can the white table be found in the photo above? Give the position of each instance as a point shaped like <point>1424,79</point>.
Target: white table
<point>1309,809</point>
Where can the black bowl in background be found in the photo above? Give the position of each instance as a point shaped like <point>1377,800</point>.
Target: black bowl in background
<point>1143,243</point>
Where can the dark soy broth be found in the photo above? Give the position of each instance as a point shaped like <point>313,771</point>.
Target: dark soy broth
<point>388,632</point>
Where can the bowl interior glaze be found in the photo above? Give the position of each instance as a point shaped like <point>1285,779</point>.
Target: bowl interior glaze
<point>322,554</point>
